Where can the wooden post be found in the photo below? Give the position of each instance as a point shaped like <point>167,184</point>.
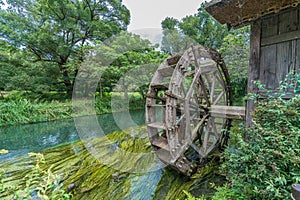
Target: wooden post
<point>254,68</point>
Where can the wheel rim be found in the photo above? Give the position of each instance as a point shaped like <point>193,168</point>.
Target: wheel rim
<point>183,89</point>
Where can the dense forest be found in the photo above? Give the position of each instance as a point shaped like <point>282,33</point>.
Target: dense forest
<point>45,43</point>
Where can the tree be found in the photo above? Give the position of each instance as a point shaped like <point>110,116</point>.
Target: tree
<point>204,29</point>
<point>200,28</point>
<point>235,50</point>
<point>119,62</point>
<point>169,23</point>
<point>58,31</point>
<point>173,40</point>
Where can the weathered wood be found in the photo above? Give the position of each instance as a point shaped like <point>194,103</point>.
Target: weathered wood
<point>268,66</point>
<point>161,142</point>
<point>163,86</point>
<point>297,65</point>
<point>254,67</point>
<point>173,60</point>
<point>157,125</point>
<point>294,35</point>
<point>283,61</point>
<point>228,112</point>
<point>269,26</point>
<point>186,107</point>
<point>166,70</point>
<point>237,13</point>
<point>288,21</point>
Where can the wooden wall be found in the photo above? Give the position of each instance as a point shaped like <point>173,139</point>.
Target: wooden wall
<point>274,51</point>
<point>279,46</point>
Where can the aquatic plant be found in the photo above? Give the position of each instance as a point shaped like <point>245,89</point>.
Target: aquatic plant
<point>77,172</point>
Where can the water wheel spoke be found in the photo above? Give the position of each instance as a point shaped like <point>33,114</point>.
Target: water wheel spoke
<point>206,138</point>
<point>219,98</point>
<point>212,90</point>
<point>197,127</point>
<point>186,90</point>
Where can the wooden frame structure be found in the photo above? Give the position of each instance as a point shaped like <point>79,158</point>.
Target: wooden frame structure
<point>274,39</point>
<point>189,108</point>
<point>189,103</point>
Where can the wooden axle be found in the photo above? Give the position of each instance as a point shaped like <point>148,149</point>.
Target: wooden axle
<point>228,112</point>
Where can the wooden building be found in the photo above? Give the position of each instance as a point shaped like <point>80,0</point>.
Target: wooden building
<point>274,39</point>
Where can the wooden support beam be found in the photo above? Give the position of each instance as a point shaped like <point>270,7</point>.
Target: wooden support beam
<point>280,38</point>
<point>254,67</point>
<point>229,112</point>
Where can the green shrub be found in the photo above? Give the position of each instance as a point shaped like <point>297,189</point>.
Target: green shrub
<point>267,164</point>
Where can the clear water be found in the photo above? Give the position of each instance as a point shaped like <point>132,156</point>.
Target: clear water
<point>22,139</point>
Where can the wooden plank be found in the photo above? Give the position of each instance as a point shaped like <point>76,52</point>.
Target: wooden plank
<point>164,86</point>
<point>283,61</point>
<point>161,143</point>
<point>268,66</point>
<point>297,65</point>
<point>293,35</point>
<point>254,66</point>
<point>166,70</point>
<point>288,21</point>
<point>298,17</point>
<point>292,67</point>
<point>174,59</point>
<point>164,156</point>
<point>157,125</point>
<point>270,26</point>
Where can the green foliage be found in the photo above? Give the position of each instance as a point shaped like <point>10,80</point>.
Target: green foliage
<point>235,51</point>
<point>58,32</point>
<point>265,166</point>
<point>203,29</point>
<point>191,197</point>
<point>200,28</point>
<point>226,192</point>
<point>23,111</point>
<point>18,108</point>
<point>120,60</point>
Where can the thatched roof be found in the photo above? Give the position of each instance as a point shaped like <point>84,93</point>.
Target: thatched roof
<point>237,13</point>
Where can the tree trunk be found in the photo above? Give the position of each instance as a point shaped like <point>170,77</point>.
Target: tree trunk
<point>66,80</point>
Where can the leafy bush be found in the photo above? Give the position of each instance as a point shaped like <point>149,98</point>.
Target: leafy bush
<point>268,164</point>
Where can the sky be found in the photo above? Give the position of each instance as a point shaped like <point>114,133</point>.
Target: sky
<point>150,13</point>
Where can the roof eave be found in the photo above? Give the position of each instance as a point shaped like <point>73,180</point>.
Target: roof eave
<point>238,13</point>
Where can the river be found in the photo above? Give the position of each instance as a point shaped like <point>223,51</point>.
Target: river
<point>106,182</point>
<point>22,139</point>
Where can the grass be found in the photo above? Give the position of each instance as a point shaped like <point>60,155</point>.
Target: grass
<point>18,110</point>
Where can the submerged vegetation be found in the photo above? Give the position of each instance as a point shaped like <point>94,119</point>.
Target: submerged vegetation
<point>72,171</point>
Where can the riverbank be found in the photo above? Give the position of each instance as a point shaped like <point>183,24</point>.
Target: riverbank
<point>25,111</point>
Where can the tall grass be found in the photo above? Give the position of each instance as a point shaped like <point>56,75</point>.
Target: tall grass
<point>23,111</point>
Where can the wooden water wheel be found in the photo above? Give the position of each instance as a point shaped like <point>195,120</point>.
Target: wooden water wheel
<point>189,108</point>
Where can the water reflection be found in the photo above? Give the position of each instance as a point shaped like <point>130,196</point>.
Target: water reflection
<point>22,139</point>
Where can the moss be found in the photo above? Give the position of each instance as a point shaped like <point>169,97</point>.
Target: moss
<point>87,178</point>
